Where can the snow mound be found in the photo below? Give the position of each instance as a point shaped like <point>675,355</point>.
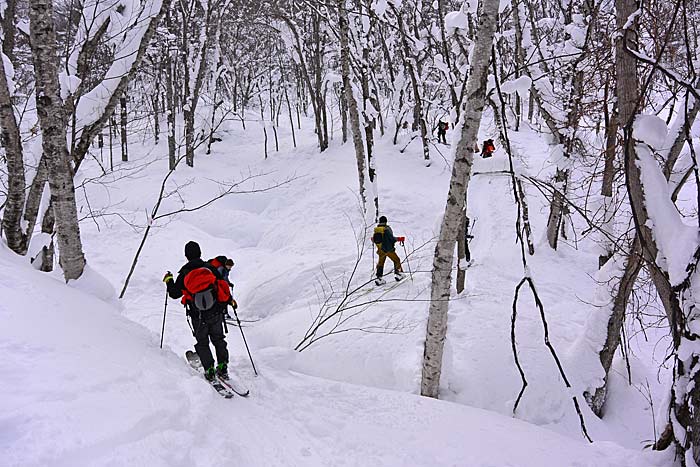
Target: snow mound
<point>455,20</point>
<point>84,386</point>
<point>650,129</point>
<point>95,284</point>
<point>520,85</point>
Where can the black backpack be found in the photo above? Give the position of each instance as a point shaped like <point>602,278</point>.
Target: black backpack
<point>378,237</point>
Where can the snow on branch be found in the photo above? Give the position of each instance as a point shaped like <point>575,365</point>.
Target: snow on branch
<point>677,241</point>
<point>128,25</point>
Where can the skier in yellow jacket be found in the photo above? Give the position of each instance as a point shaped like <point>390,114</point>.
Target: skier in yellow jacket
<point>384,240</point>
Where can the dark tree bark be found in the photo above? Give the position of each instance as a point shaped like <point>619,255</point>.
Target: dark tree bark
<point>122,127</point>
<point>17,238</point>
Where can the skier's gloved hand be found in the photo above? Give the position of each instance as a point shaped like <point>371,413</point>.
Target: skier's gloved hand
<point>401,239</point>
<point>234,305</point>
<point>168,277</point>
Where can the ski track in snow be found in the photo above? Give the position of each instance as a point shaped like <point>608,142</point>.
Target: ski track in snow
<point>85,385</point>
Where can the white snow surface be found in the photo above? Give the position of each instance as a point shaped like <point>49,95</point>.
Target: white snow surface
<point>84,381</point>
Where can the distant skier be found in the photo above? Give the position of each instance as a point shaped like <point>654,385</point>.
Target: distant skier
<point>205,296</point>
<point>442,128</point>
<point>488,149</point>
<point>384,240</point>
<point>223,265</point>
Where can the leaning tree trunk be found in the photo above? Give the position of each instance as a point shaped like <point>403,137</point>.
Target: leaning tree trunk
<point>684,417</point>
<point>53,130</point>
<point>456,199</point>
<point>350,101</point>
<point>596,397</point>
<point>627,96</point>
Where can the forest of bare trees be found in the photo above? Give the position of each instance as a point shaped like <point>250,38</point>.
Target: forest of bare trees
<point>593,76</point>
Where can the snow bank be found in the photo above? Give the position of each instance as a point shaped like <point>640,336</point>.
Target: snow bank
<point>83,386</point>
<point>95,284</point>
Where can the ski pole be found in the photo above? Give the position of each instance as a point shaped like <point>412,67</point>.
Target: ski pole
<point>165,309</point>
<point>244,340</point>
<point>407,263</point>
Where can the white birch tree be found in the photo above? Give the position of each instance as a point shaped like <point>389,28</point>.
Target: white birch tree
<point>459,182</point>
<point>53,129</point>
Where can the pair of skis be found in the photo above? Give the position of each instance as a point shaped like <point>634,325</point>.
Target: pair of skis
<point>225,387</point>
<point>380,281</point>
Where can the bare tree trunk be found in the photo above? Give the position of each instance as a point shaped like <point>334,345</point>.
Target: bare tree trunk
<point>12,142</point>
<point>611,130</point>
<point>369,118</point>
<point>156,115</point>
<point>556,208</point>
<point>343,116</point>
<point>291,119</point>
<point>36,191</point>
<point>8,29</point>
<point>53,129</point>
<point>462,250</point>
<point>456,199</point>
<point>526,217</point>
<point>122,125</point>
<point>623,290</point>
<point>262,120</point>
<point>111,143</point>
<point>685,390</point>
<point>169,100</point>
<point>188,113</point>
<point>350,101</point>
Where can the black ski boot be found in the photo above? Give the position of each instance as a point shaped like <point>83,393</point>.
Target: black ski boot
<point>222,370</point>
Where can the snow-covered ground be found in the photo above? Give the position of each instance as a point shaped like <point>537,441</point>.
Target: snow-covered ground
<point>85,383</point>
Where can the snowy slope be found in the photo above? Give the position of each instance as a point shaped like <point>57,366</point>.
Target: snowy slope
<point>82,385</point>
<point>115,398</point>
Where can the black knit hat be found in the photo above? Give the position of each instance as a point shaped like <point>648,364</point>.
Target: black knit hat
<point>382,220</point>
<point>192,251</point>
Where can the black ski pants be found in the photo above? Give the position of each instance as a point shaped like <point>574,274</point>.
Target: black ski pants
<point>209,325</point>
